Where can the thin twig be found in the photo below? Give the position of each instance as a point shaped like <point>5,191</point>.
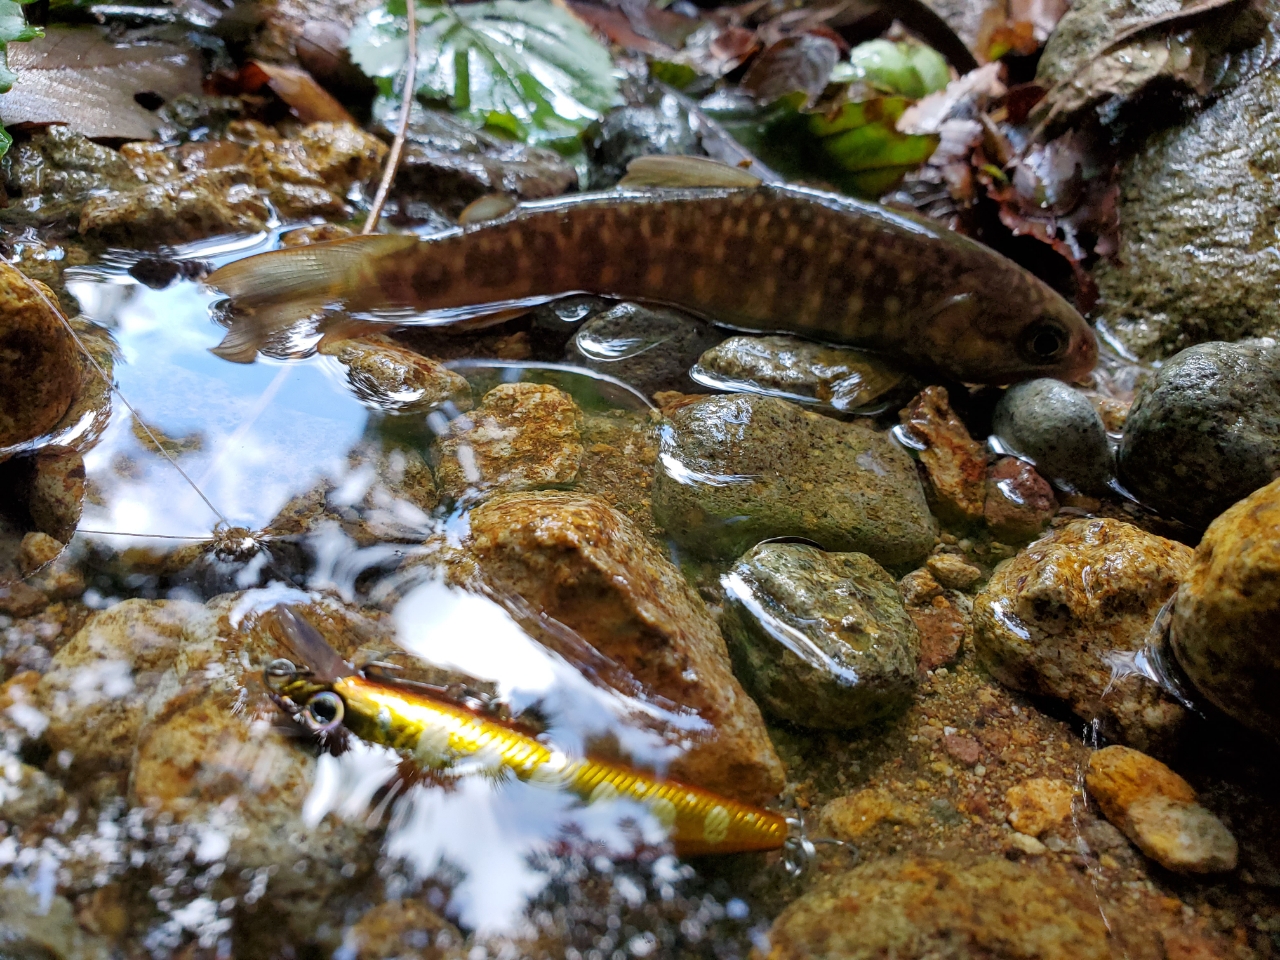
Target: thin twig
<point>57,312</point>
<point>397,145</point>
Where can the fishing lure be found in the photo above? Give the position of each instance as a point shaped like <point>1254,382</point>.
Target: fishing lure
<point>325,693</point>
<point>767,258</point>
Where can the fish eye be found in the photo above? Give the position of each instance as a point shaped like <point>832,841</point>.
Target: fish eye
<point>1044,342</point>
<point>323,712</point>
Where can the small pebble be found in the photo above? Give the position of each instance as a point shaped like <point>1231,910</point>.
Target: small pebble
<point>1038,805</point>
<point>1028,845</point>
<point>953,571</point>
<point>1056,427</point>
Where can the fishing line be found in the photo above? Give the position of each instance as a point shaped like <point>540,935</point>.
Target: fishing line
<point>57,312</point>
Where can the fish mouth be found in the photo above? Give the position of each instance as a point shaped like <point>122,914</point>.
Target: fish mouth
<point>1082,358</point>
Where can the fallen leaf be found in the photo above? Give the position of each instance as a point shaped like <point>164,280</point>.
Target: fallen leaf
<point>309,101</point>
<point>972,90</point>
<point>528,67</point>
<point>799,64</point>
<point>77,77</point>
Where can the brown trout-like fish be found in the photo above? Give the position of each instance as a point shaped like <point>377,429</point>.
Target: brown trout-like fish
<point>778,259</point>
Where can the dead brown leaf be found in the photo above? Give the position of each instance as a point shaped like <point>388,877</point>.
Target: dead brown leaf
<point>799,64</point>
<point>309,101</point>
<point>76,76</point>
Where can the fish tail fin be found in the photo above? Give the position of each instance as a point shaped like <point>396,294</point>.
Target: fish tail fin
<point>331,267</point>
<point>308,645</point>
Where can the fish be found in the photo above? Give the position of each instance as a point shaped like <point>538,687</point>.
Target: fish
<point>768,258</point>
<point>444,737</point>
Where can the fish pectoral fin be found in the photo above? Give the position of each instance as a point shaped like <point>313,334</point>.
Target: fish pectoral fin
<point>681,171</point>
<point>298,271</point>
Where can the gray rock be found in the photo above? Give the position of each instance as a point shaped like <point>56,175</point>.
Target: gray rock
<point>735,470</point>
<point>820,639</point>
<point>650,348</point>
<point>836,378</point>
<point>629,132</point>
<point>1059,429</point>
<point>1197,253</point>
<point>1205,431</point>
<point>32,929</point>
<point>26,793</point>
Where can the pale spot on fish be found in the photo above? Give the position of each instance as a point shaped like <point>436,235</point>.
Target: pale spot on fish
<point>906,276</point>
<point>793,233</point>
<point>716,826</point>
<point>808,243</point>
<point>664,811</point>
<point>865,269</point>
<point>433,748</point>
<point>892,305</point>
<point>603,792</point>
<point>608,275</point>
<point>853,309</point>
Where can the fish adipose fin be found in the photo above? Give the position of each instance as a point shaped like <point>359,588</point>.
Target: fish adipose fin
<point>679,171</point>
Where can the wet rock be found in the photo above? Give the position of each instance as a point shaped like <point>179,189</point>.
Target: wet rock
<point>852,816</point>
<point>32,928</point>
<point>56,491</point>
<point>636,131</point>
<point>26,793</point>
<point>953,571</point>
<point>49,176</point>
<point>736,470</point>
<point>1051,620</point>
<point>1019,502</point>
<point>1156,809</point>
<point>836,378</point>
<point>583,563</point>
<point>98,688</point>
<point>37,550</point>
<point>447,164</point>
<point>943,618</point>
<point>522,436</point>
<point>310,174</point>
<point>43,565</point>
<point>187,208</point>
<point>956,466</point>
<point>38,362</point>
<point>1226,619</point>
<point>1205,430</point>
<point>19,599</point>
<point>1198,209</point>
<point>913,909</point>
<point>650,348</point>
<point>1057,428</point>
<point>404,928</point>
<point>820,639</point>
<point>390,377</point>
<point>1039,805</point>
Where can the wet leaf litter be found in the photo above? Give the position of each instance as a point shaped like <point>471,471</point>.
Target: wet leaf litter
<point>812,594</point>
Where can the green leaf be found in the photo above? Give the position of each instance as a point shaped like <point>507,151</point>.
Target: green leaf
<point>908,69</point>
<point>13,28</point>
<point>526,67</point>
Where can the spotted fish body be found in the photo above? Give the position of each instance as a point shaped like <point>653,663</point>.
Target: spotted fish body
<point>771,258</point>
<point>445,737</point>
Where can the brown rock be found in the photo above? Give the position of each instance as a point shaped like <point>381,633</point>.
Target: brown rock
<point>311,174</point>
<point>56,492</point>
<point>1156,809</point>
<point>953,571</point>
<point>964,749</point>
<point>1039,805</point>
<point>385,375</point>
<point>41,560</point>
<point>38,363</point>
<point>36,550</point>
<point>1019,502</point>
<point>404,928</point>
<point>187,208</point>
<point>1226,621</point>
<point>522,436</point>
<point>849,817</point>
<point>19,599</point>
<point>956,465</point>
<point>918,909</point>
<point>942,617</point>
<point>584,564</point>
<point>1049,618</point>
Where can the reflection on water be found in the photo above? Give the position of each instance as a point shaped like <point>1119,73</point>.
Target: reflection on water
<point>313,494</point>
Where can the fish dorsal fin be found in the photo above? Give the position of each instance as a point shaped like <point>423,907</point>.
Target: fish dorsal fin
<point>489,207</point>
<point>680,171</point>
<point>308,270</point>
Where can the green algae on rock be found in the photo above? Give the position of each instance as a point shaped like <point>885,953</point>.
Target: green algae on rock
<point>1205,430</point>
<point>820,639</point>
<point>924,909</point>
<point>735,470</point>
<point>1049,618</point>
<point>1226,620</point>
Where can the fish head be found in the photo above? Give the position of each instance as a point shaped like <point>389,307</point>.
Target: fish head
<point>1006,332</point>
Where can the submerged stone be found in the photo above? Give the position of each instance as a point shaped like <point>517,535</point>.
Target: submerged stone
<point>1205,430</point>
<point>1226,621</point>
<point>836,378</point>
<point>956,465</point>
<point>820,639</point>
<point>390,377</point>
<point>1059,430</point>
<point>735,470</point>
<point>1053,620</point>
<point>39,365</point>
<point>925,909</point>
<point>1019,502</point>
<point>651,348</point>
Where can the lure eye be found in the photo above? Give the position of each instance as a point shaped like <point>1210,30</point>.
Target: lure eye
<point>1045,342</point>
<point>280,673</point>
<point>323,712</point>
